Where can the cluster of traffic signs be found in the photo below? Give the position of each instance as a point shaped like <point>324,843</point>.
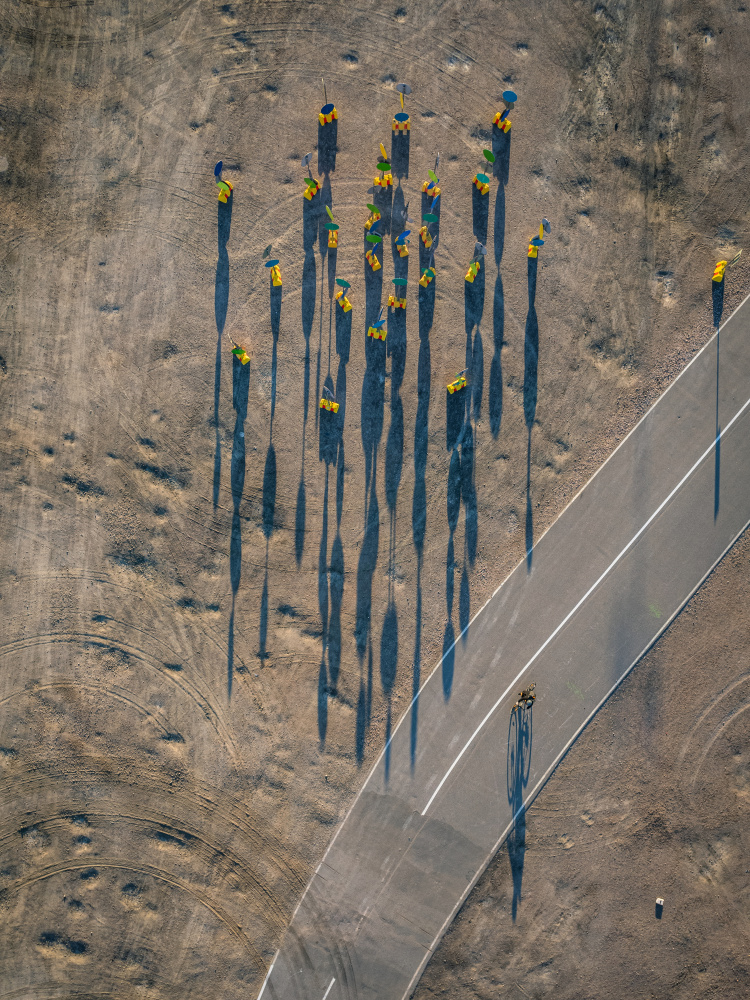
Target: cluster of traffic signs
<point>429,238</point>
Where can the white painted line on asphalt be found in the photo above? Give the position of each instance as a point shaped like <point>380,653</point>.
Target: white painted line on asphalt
<point>585,597</point>
<point>329,988</point>
<point>270,970</point>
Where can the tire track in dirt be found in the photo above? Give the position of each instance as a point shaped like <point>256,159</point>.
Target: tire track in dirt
<point>51,990</point>
<point>154,601</point>
<point>208,631</point>
<point>174,450</point>
<point>179,242</point>
<point>183,685</point>
<point>110,692</point>
<point>232,871</point>
<point>24,25</point>
<point>731,702</point>
<point>216,866</point>
<point>390,38</point>
<point>199,799</point>
<point>155,872</point>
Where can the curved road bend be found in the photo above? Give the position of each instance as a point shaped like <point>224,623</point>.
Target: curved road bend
<point>606,579</point>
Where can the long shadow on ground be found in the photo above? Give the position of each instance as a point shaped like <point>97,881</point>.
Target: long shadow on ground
<point>328,137</point>
<point>530,370</point>
<point>309,291</point>
<point>336,568</point>
<point>501,149</point>
<point>400,145</point>
<point>221,303</point>
<point>473,312</point>
<point>240,389</point>
<point>480,208</point>
<point>269,505</point>
<point>518,770</point>
<point>419,501</point>
<point>371,418</point>
<point>453,510</point>
<point>393,468</point>
<point>330,576</point>
<point>496,367</point>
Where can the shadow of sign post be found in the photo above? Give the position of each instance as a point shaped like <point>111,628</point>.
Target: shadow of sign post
<point>518,770</point>
<point>221,303</point>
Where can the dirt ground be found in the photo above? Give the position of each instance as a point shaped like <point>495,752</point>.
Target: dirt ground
<point>213,605</point>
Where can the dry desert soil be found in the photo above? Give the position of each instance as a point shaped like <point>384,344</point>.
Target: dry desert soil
<point>214,603</point>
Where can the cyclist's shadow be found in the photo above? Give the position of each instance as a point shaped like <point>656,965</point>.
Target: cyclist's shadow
<point>518,769</point>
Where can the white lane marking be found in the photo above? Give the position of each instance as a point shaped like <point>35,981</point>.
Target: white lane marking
<point>532,794</point>
<point>489,600</point>
<point>329,988</point>
<point>270,970</point>
<point>585,597</point>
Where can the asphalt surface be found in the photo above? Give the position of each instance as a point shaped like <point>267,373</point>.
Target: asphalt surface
<point>604,582</point>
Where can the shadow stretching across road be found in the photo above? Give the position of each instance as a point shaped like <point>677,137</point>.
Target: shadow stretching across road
<point>469,495</point>
<point>463,408</point>
<point>453,510</point>
<point>717,296</point>
<point>323,608</point>
<point>717,455</point>
<point>518,770</point>
<point>717,301</point>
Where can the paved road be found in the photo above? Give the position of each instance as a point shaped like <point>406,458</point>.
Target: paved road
<point>606,580</point>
